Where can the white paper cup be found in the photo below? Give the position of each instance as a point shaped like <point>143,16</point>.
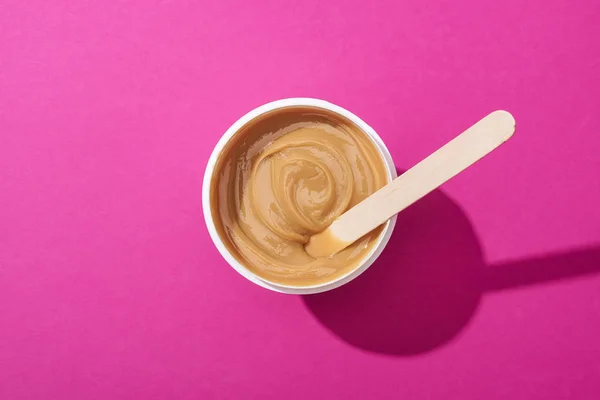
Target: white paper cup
<point>209,175</point>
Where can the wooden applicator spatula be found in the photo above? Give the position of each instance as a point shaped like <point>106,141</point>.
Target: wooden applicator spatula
<point>445,163</point>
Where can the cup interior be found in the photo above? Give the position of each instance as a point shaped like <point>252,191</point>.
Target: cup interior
<point>209,175</point>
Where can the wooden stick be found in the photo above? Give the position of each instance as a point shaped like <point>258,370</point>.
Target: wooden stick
<point>457,155</point>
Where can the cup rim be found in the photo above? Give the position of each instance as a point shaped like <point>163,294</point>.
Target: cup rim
<point>206,192</point>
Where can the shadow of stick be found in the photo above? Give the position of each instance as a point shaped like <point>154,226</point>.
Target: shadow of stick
<point>549,268</point>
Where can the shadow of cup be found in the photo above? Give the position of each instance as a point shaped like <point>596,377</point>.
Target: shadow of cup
<point>421,291</point>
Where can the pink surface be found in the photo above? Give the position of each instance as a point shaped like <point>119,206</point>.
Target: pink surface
<point>111,289</point>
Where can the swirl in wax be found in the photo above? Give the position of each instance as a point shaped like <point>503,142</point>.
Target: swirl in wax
<point>286,177</point>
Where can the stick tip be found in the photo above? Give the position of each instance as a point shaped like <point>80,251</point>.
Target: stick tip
<point>506,120</point>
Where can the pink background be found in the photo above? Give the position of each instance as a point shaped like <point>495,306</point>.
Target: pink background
<point>110,287</point>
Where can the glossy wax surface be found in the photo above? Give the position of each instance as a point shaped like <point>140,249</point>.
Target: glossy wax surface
<point>287,176</point>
